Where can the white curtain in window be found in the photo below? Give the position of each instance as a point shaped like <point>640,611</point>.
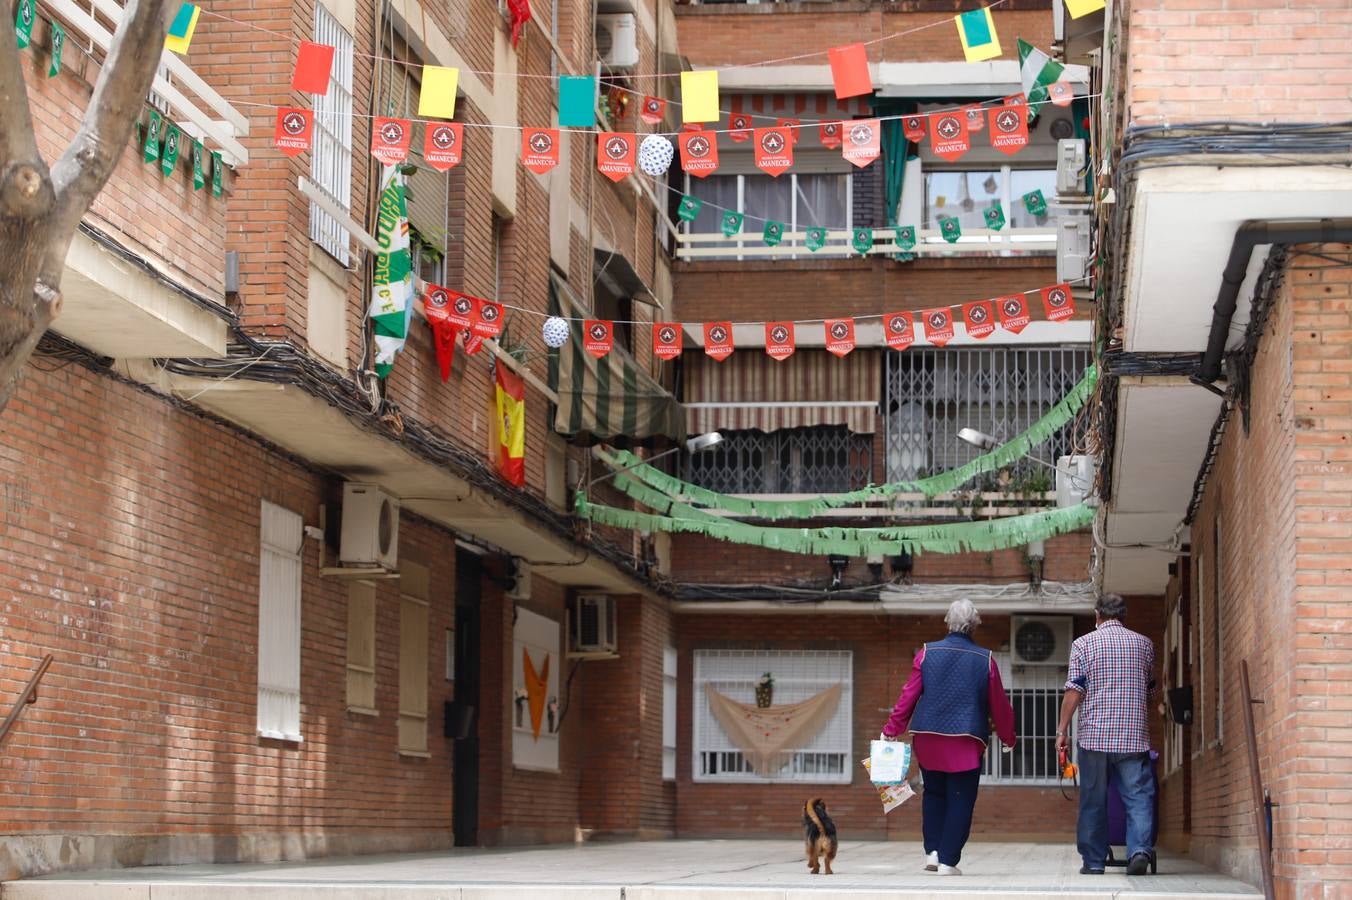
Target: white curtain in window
<point>715,191</point>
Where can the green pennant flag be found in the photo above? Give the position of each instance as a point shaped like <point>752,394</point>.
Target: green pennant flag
<point>58,44</point>
<point>689,208</point>
<point>1035,203</point>
<point>23,23</point>
<point>906,238</point>
<point>152,147</point>
<point>199,178</point>
<point>862,240</point>
<point>732,223</point>
<point>950,228</point>
<point>995,216</point>
<point>816,239</point>
<point>169,158</point>
<point>773,233</point>
<point>217,175</point>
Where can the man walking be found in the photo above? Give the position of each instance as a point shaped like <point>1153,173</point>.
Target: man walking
<point>1111,678</point>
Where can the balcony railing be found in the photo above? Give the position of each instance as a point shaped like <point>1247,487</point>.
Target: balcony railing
<point>820,460</point>
<point>929,242</point>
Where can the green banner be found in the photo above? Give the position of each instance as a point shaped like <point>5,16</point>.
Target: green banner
<point>199,178</point>
<point>217,174</point>
<point>152,147</point>
<point>906,238</point>
<point>689,208</point>
<point>773,233</point>
<point>732,223</point>
<point>816,239</point>
<point>169,158</point>
<point>1035,203</point>
<point>995,216</point>
<point>392,288</point>
<point>58,44</point>
<point>23,22</point>
<point>862,240</point>
<point>950,228</point>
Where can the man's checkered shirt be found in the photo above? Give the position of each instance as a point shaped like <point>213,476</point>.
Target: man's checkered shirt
<point>1113,667</point>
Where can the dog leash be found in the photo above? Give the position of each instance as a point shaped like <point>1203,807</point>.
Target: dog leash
<point>1066,771</point>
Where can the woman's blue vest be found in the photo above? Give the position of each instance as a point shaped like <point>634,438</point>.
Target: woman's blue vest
<point>955,679</point>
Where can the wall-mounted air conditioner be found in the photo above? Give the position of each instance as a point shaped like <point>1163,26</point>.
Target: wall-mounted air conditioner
<point>518,580</point>
<point>370,535</point>
<point>1040,640</point>
<point>1072,247</point>
<point>617,40</point>
<point>1075,479</point>
<point>1070,169</point>
<point>591,625</point>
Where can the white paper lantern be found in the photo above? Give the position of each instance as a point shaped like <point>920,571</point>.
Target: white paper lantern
<point>655,154</point>
<point>555,331</point>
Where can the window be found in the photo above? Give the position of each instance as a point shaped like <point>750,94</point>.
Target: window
<point>824,758</point>
<point>1217,643</point>
<point>1197,657</point>
<point>1173,676</point>
<point>414,591</point>
<point>361,647</point>
<point>1035,693</point>
<point>331,156</point>
<point>798,200</point>
<point>669,713</point>
<point>969,193</point>
<point>279,623</point>
<point>826,459</point>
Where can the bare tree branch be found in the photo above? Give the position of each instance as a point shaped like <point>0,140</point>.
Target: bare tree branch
<point>25,190</point>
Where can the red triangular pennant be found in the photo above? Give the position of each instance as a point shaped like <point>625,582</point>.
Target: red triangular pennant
<point>1009,129</point>
<point>900,330</point>
<point>444,335</point>
<point>718,339</point>
<point>652,110</point>
<point>293,131</point>
<point>699,153</point>
<point>979,319</point>
<point>774,150</point>
<point>442,144</point>
<point>839,336</point>
<point>1013,312</point>
<point>829,134</point>
<point>488,321</point>
<point>913,127</point>
<point>1058,302</point>
<point>938,325</point>
<point>598,336</point>
<point>863,141</point>
<point>948,135</point>
<point>615,154</point>
<point>740,127</point>
<point>390,139</point>
<point>779,339</point>
<point>540,149</point>
<point>666,340</point>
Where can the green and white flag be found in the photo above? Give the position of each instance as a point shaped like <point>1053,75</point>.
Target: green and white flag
<point>862,241</point>
<point>199,177</point>
<point>995,216</point>
<point>689,208</point>
<point>906,238</point>
<point>152,147</point>
<point>217,174</point>
<point>58,43</point>
<point>169,158</point>
<point>773,233</point>
<point>392,289</point>
<point>1037,71</point>
<point>23,22</point>
<point>1035,203</point>
<point>732,223</point>
<point>816,239</point>
<point>950,228</point>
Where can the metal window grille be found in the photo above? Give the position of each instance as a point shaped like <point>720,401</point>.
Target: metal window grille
<point>331,156</point>
<point>1035,693</point>
<point>798,675</point>
<point>819,460</point>
<point>932,393</point>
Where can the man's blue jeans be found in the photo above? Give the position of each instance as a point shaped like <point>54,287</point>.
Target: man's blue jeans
<point>1135,783</point>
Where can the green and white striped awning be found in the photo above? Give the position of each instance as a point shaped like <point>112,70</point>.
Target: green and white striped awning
<point>608,397</point>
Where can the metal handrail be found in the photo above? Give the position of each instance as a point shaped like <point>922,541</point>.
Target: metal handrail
<point>27,696</point>
<point>1260,809</point>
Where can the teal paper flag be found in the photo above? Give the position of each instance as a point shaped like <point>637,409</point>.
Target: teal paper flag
<point>689,208</point>
<point>773,233</point>
<point>58,44</point>
<point>951,229</point>
<point>732,223</point>
<point>577,101</point>
<point>169,158</point>
<point>862,240</point>
<point>995,216</point>
<point>217,175</point>
<point>816,239</point>
<point>1035,203</point>
<point>906,237</point>
<point>23,23</point>
<point>199,178</point>
<point>152,146</point>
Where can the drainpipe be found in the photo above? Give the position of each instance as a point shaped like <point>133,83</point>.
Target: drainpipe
<point>1253,233</point>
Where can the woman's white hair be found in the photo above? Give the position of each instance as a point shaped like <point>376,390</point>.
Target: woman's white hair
<point>962,617</point>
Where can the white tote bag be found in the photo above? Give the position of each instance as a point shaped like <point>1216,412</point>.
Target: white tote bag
<point>889,761</point>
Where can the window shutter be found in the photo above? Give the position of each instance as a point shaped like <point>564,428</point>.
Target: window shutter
<point>361,646</point>
<point>414,589</point>
<point>279,623</point>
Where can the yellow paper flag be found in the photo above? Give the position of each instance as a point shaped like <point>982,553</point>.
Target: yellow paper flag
<point>699,96</point>
<point>1078,8</point>
<point>976,30</point>
<point>437,98</point>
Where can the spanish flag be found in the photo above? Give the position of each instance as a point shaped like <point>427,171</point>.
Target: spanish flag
<point>510,405</point>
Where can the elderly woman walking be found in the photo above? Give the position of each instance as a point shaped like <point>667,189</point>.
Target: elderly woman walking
<point>948,703</point>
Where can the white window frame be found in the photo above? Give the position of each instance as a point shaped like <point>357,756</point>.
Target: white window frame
<point>281,533</point>
<point>331,155</point>
<point>669,687</point>
<point>1217,635</point>
<point>837,242</point>
<point>1197,652</point>
<point>1173,662</point>
<point>1049,682</point>
<point>734,673</point>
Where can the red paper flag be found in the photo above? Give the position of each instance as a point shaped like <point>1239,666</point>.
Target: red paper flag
<point>699,153</point>
<point>444,335</point>
<point>436,304</point>
<point>1009,129</point>
<point>442,144</point>
<point>938,325</point>
<point>849,71</point>
<point>948,135</point>
<point>462,311</point>
<point>862,142</point>
<point>390,139</point>
<point>976,117</point>
<point>1061,93</point>
<point>913,128</point>
<point>652,110</point>
<point>666,340</point>
<point>840,336</point>
<point>774,151</point>
<point>292,134</point>
<point>900,328</point>
<point>979,319</point>
<point>488,323</point>
<point>740,123</point>
<point>791,128</point>
<point>829,133</point>
<point>473,342</point>
<point>313,63</point>
<point>540,149</point>
<point>520,10</point>
<point>1014,100</point>
<point>779,339</point>
<point>718,339</point>
<point>598,337</point>
<point>1013,313</point>
<point>615,154</point>
<point>1058,302</point>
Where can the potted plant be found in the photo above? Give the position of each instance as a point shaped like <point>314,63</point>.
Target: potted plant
<point>520,696</point>
<point>765,691</point>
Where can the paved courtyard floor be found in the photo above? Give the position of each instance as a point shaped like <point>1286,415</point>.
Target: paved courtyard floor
<point>655,870</point>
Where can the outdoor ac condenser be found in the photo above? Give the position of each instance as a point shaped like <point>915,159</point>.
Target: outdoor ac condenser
<point>591,625</point>
<point>1039,640</point>
<point>370,535</point>
<point>617,41</point>
<point>1073,490</point>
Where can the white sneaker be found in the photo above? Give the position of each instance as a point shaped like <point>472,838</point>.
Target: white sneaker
<point>949,870</point>
<point>932,861</point>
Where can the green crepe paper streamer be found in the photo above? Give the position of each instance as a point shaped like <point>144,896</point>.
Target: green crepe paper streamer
<point>942,483</point>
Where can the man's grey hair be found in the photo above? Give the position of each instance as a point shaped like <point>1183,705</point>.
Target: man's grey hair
<point>962,617</point>
<point>1111,606</point>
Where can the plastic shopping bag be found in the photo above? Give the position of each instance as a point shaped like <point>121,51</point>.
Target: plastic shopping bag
<point>889,762</point>
<point>892,795</point>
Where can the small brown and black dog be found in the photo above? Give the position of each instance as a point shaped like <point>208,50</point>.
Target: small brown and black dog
<point>819,832</point>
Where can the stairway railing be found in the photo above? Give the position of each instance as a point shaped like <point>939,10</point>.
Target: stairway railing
<point>27,696</point>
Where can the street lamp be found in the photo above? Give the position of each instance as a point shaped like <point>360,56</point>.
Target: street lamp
<point>983,441</point>
<point>697,444</point>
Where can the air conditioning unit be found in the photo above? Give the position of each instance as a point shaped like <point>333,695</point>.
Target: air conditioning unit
<point>370,535</point>
<point>617,41</point>
<point>591,625</point>
<point>1040,640</point>
<point>519,580</point>
<point>1070,168</point>
<point>1075,479</point>
<point>1072,247</point>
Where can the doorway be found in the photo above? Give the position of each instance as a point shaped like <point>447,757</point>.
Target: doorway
<point>465,756</point>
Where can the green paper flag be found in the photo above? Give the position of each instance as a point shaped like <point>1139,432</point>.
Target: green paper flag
<point>689,208</point>
<point>995,216</point>
<point>577,101</point>
<point>58,44</point>
<point>152,147</point>
<point>950,228</point>
<point>816,239</point>
<point>199,178</point>
<point>23,23</point>
<point>732,223</point>
<point>862,240</point>
<point>217,175</point>
<point>773,233</point>
<point>1035,203</point>
<point>169,158</point>
<point>906,238</point>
